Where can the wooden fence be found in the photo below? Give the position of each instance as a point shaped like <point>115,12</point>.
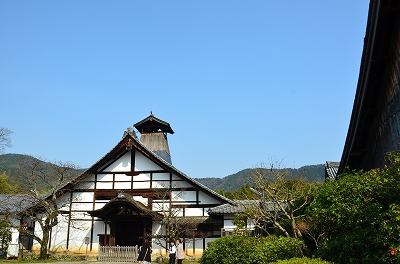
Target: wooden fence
<point>117,254</point>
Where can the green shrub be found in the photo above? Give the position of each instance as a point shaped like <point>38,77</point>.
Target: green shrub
<point>251,250</point>
<point>302,261</point>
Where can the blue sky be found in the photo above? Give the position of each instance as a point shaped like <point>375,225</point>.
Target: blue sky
<point>240,82</point>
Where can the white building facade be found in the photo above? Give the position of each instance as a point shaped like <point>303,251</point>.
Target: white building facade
<point>128,194</point>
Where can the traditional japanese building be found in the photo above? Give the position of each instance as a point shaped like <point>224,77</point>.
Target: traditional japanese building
<point>132,194</point>
<point>374,128</point>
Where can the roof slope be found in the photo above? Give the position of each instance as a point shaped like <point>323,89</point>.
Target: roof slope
<point>129,142</point>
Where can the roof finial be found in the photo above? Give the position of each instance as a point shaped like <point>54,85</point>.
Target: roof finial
<point>151,112</point>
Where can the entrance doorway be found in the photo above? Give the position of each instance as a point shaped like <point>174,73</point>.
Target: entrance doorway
<point>129,233</point>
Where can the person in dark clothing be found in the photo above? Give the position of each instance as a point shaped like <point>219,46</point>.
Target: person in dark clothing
<point>144,254</point>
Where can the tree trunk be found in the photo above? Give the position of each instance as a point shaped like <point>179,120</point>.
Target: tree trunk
<point>43,245</point>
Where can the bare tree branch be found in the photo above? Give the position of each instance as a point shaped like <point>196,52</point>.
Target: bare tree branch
<point>5,139</point>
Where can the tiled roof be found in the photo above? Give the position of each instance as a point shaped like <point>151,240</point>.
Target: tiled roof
<point>331,169</point>
<point>15,203</point>
<point>240,207</point>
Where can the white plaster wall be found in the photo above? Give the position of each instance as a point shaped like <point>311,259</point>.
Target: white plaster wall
<point>122,185</point>
<point>160,206</point>
<point>182,184</point>
<point>83,197</point>
<point>99,204</point>
<point>161,176</point>
<point>122,178</point>
<point>142,163</point>
<point>105,177</point>
<point>105,185</point>
<point>194,211</point>
<point>142,177</point>
<point>141,185</point>
<point>141,199</point>
<point>184,197</point>
<point>160,184</point>
<point>228,223</point>
<point>122,164</point>
<point>78,232</point>
<point>76,206</point>
<point>206,199</point>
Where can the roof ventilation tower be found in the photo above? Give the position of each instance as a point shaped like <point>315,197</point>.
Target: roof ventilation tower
<point>154,135</point>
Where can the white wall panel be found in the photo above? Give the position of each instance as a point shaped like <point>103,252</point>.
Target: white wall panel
<point>84,186</point>
<point>161,176</point>
<point>160,206</point>
<point>105,177</point>
<point>141,199</point>
<point>206,199</point>
<point>81,206</point>
<point>83,196</point>
<point>122,164</point>
<point>194,211</point>
<point>181,184</point>
<point>105,185</point>
<point>141,185</point>
<point>122,185</point>
<point>185,195</point>
<point>229,223</point>
<point>122,177</point>
<point>142,177</point>
<point>160,184</point>
<point>143,164</point>
<point>79,233</point>
<point>99,205</point>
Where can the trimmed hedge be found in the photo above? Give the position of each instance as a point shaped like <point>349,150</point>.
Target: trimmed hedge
<point>302,261</point>
<point>251,250</point>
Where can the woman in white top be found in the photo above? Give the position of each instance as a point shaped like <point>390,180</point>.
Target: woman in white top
<point>172,251</point>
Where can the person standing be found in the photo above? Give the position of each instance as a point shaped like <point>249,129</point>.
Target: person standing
<point>180,255</point>
<point>144,254</point>
<point>172,251</point>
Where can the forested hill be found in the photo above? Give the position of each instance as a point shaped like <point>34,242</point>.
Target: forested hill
<point>310,173</point>
<point>12,163</point>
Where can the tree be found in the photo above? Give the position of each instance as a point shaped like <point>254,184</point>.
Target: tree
<point>5,140</point>
<point>5,187</point>
<point>174,225</point>
<point>44,208</point>
<point>282,201</point>
<point>359,215</point>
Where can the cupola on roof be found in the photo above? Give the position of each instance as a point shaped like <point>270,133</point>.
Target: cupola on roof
<point>152,124</point>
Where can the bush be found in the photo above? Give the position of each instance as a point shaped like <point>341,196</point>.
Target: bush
<point>359,215</point>
<point>302,261</point>
<point>251,250</point>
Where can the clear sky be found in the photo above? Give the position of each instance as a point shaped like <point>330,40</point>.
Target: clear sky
<point>240,82</point>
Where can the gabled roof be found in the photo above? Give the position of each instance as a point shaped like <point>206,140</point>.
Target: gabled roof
<point>129,142</point>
